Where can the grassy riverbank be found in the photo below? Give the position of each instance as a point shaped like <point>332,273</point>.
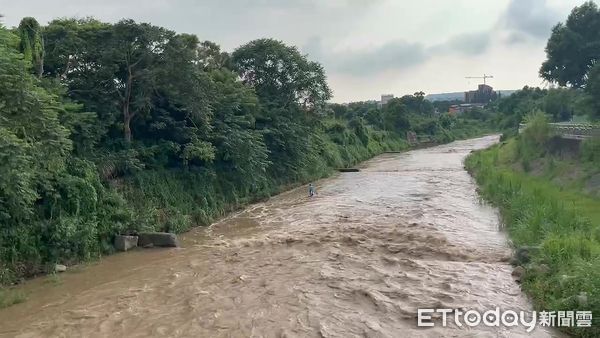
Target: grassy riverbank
<point>548,200</point>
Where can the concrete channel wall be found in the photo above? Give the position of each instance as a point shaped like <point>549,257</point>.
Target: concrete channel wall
<point>574,131</point>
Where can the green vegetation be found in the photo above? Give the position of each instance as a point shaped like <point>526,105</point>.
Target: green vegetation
<point>573,48</point>
<point>548,188</point>
<point>561,104</point>
<point>572,63</point>
<point>112,128</point>
<point>10,297</point>
<point>522,177</point>
<point>572,55</point>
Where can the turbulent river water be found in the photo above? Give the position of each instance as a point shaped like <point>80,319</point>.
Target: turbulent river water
<point>408,231</point>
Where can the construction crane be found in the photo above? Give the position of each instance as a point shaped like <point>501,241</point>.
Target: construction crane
<point>484,77</point>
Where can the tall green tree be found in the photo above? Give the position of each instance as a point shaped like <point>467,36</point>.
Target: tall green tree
<point>32,44</point>
<point>138,78</point>
<point>74,48</point>
<point>133,49</point>
<point>180,102</point>
<point>574,47</point>
<point>396,115</point>
<point>241,154</point>
<point>281,75</point>
<point>75,58</point>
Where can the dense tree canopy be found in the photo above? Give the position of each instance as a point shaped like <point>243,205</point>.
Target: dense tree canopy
<point>281,75</point>
<point>574,47</point>
<point>32,44</point>
<point>395,115</point>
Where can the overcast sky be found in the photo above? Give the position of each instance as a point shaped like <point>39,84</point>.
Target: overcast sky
<point>368,47</point>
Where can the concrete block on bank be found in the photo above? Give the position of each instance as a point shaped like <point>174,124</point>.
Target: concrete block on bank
<point>162,239</point>
<point>60,268</point>
<point>125,243</point>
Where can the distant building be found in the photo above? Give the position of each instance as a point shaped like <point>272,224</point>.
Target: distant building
<point>385,98</point>
<point>483,95</point>
<point>457,109</point>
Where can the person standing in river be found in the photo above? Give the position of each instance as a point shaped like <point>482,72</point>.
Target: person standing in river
<point>311,190</point>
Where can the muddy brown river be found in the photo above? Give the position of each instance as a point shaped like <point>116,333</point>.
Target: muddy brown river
<point>357,260</point>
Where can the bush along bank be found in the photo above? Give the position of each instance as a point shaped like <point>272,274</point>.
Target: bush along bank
<point>553,224</point>
<point>175,200</point>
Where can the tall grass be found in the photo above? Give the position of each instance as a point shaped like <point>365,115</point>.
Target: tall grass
<point>10,297</point>
<point>565,224</point>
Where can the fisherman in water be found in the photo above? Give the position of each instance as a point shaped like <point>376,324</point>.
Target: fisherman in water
<point>311,190</point>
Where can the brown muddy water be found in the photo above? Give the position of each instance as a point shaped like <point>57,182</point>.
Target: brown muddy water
<point>358,260</point>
